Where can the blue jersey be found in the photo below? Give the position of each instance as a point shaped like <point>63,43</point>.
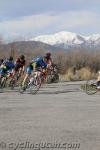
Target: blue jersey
<point>9,64</point>
<point>39,62</point>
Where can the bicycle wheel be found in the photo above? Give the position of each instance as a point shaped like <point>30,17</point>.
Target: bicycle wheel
<point>3,83</point>
<point>22,88</point>
<point>14,80</point>
<point>34,84</point>
<point>55,78</point>
<point>12,83</point>
<point>49,79</point>
<point>91,87</point>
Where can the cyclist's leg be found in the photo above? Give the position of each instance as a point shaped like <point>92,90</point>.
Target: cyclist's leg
<point>16,68</point>
<point>1,73</point>
<point>98,79</point>
<point>29,71</point>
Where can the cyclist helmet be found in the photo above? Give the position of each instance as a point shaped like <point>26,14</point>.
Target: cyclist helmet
<point>22,57</point>
<point>10,58</point>
<point>48,55</point>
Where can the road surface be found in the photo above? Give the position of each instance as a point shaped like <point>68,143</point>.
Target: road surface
<point>60,114</point>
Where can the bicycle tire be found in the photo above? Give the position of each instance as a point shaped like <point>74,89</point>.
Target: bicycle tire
<point>12,83</point>
<point>49,79</point>
<point>3,83</point>
<point>35,85</point>
<point>22,88</point>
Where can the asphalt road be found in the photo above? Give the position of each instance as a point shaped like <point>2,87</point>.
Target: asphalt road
<point>60,114</point>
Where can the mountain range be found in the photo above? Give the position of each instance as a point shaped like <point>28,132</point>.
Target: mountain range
<point>71,40</point>
<point>62,41</point>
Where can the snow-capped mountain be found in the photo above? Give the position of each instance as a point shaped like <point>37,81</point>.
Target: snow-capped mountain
<point>69,40</point>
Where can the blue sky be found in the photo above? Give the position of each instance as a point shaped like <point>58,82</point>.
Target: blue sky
<point>29,18</point>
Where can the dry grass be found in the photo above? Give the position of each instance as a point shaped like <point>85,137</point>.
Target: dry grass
<point>68,76</point>
<point>82,74</point>
<point>85,74</point>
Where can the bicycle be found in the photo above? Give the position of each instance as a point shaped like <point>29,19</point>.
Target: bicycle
<point>4,80</point>
<point>52,75</point>
<point>14,80</point>
<point>33,83</point>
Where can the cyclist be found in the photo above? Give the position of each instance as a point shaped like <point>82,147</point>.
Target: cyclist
<point>98,81</point>
<point>38,63</point>
<point>48,58</point>
<point>20,64</point>
<point>7,66</point>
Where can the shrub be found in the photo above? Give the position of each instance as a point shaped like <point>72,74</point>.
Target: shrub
<point>85,74</point>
